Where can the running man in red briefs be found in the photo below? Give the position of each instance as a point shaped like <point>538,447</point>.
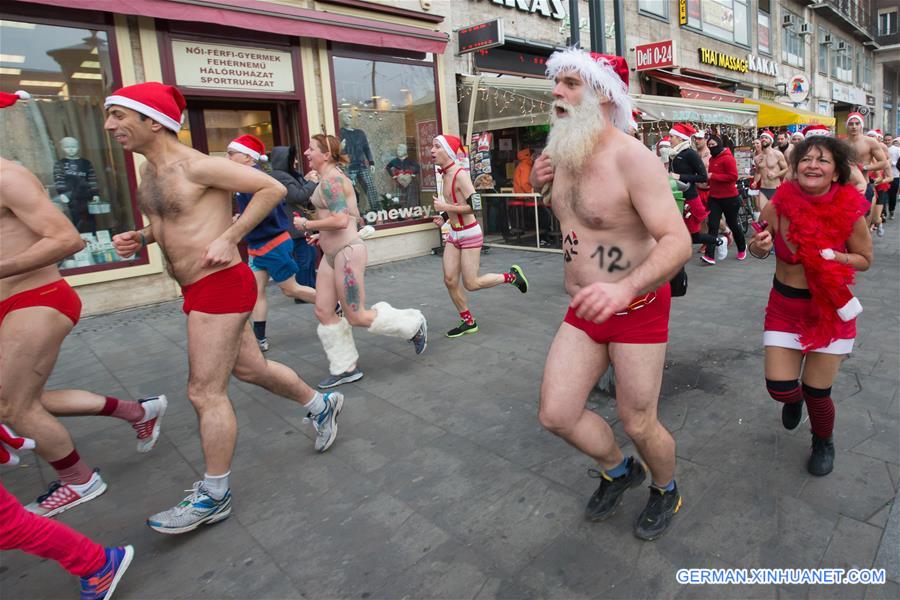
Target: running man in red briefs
<point>187,196</point>
<point>462,254</point>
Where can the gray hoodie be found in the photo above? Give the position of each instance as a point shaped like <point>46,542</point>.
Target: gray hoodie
<point>299,190</point>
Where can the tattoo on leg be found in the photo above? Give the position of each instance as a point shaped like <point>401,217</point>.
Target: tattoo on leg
<point>569,246</point>
<point>351,287</point>
<point>614,253</point>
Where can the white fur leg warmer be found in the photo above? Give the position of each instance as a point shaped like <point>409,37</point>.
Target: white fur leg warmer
<point>403,323</point>
<point>338,342</point>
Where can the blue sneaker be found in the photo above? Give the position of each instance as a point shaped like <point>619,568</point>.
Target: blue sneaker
<point>325,423</point>
<point>102,584</point>
<point>198,508</point>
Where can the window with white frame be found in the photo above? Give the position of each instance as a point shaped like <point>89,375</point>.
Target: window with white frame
<point>658,8</point>
<point>824,46</point>
<point>727,20</point>
<point>763,32</point>
<point>869,68</point>
<point>841,59</point>
<point>887,22</point>
<point>793,48</point>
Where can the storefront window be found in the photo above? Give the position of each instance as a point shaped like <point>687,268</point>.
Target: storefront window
<point>763,29</point>
<point>59,136</point>
<point>388,120</point>
<point>660,8</point>
<point>726,20</point>
<point>793,50</point>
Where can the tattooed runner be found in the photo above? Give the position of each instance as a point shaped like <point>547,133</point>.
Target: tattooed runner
<point>624,240</point>
<point>462,254</point>
<point>341,273</point>
<point>187,196</point>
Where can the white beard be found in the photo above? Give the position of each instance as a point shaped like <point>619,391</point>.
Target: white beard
<point>572,138</point>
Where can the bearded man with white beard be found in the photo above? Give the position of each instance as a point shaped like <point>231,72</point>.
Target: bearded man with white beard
<point>623,241</point>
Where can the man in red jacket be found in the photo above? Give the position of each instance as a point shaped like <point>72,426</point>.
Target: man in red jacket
<point>723,198</point>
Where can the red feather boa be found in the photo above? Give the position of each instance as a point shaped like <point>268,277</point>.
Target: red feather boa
<point>817,223</point>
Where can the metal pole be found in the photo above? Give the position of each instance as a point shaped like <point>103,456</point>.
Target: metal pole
<point>574,29</point>
<point>619,18</point>
<point>472,102</point>
<point>597,23</point>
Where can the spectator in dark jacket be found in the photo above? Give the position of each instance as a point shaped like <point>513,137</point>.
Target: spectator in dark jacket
<point>299,191</point>
<point>687,166</point>
<point>723,198</point>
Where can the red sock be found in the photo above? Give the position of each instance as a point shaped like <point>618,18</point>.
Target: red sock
<point>467,317</point>
<point>508,277</point>
<point>71,469</point>
<point>127,410</point>
<point>821,410</point>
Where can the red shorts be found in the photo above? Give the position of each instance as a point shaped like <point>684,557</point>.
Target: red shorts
<point>647,324</point>
<point>58,295</point>
<point>785,316</point>
<point>231,290</point>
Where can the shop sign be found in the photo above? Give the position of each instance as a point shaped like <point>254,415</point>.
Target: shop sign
<point>725,61</point>
<point>655,55</point>
<point>550,9</point>
<point>682,12</point>
<point>798,88</point>
<point>502,60</point>
<point>394,214</point>
<point>762,65</point>
<point>480,36</point>
<point>840,93</point>
<point>238,68</point>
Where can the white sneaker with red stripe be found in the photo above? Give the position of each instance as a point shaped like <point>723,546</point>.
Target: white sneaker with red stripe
<point>60,497</point>
<point>148,427</point>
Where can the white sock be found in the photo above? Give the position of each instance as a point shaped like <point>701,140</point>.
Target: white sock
<point>316,405</point>
<point>216,485</point>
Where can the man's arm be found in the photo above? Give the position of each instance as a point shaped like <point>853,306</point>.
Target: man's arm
<point>879,159</point>
<point>25,197</point>
<point>223,174</point>
<point>782,166</point>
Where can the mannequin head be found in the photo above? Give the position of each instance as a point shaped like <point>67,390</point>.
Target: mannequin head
<point>401,151</point>
<point>69,147</point>
<point>346,119</point>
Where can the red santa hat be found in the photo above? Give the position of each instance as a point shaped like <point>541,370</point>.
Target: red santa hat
<point>683,130</point>
<point>10,99</point>
<point>812,130</point>
<point>875,133</point>
<point>665,142</point>
<point>604,73</point>
<point>856,116</point>
<point>451,145</point>
<point>250,145</point>
<point>768,134</point>
<point>800,133</point>
<point>162,103</point>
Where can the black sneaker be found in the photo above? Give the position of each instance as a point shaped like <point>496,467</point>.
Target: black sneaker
<point>607,497</point>
<point>821,460</point>
<point>520,281</point>
<point>654,520</point>
<point>345,377</point>
<point>791,414</point>
<point>463,328</point>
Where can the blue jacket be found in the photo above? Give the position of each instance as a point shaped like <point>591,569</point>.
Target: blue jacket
<point>273,225</point>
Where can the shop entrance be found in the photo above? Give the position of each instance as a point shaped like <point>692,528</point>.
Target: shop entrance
<point>211,125</point>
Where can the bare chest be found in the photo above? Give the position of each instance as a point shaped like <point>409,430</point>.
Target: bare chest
<point>165,195</point>
<point>599,201</point>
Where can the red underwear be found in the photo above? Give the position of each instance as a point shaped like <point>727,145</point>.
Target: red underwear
<point>645,322</point>
<point>231,290</point>
<point>58,295</point>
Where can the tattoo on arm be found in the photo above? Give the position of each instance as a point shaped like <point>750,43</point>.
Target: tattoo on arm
<point>614,254</point>
<point>333,193</point>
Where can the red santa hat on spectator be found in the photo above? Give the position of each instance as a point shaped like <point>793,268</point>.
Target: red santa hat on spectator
<point>162,103</point>
<point>451,145</point>
<point>250,145</point>
<point>665,142</point>
<point>768,134</point>
<point>856,116</point>
<point>683,130</point>
<point>606,74</point>
<point>811,130</point>
<point>10,99</point>
<point>875,133</point>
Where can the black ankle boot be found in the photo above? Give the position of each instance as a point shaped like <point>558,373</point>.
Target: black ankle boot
<point>821,460</point>
<point>791,414</point>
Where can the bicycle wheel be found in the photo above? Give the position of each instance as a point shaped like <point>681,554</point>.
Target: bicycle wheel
<point>744,216</point>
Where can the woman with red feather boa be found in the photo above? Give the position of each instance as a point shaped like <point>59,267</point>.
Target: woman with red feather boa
<point>817,226</point>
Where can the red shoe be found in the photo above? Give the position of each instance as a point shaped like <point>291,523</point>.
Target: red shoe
<point>61,497</point>
<point>707,261</point>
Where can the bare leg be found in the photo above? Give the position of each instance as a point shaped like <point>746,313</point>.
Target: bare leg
<point>452,271</point>
<point>783,364</point>
<point>639,370</point>
<point>326,295</point>
<point>213,344</point>
<point>471,263</point>
<point>252,367</point>
<point>820,369</point>
<point>349,274</point>
<point>30,339</point>
<point>73,403</point>
<point>290,288</point>
<point>261,309</point>
<point>573,367</point>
